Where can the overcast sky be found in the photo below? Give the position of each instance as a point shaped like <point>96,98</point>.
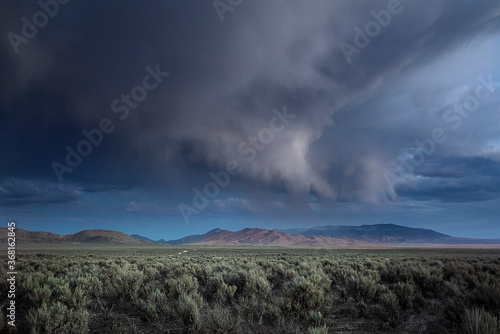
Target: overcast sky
<point>169,118</point>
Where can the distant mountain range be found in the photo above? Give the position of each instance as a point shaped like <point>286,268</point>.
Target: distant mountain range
<point>388,234</point>
<point>379,233</point>
<point>332,236</point>
<point>257,236</point>
<point>319,236</point>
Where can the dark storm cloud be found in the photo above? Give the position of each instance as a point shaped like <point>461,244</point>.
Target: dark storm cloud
<point>15,192</point>
<point>225,79</point>
<point>454,180</point>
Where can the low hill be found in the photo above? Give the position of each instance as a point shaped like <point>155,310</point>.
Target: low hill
<point>86,236</point>
<point>140,237</point>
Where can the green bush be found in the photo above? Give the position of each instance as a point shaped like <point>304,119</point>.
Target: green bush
<point>218,290</point>
<point>41,295</point>
<point>363,288</point>
<point>428,279</point>
<point>304,294</point>
<point>189,312</point>
<point>79,298</point>
<point>57,319</point>
<point>93,286</point>
<point>238,279</point>
<point>257,285</point>
<point>389,308</point>
<point>155,306</point>
<point>405,293</point>
<point>128,283</point>
<point>185,284</point>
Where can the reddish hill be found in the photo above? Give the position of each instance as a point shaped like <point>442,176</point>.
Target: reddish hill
<point>264,237</point>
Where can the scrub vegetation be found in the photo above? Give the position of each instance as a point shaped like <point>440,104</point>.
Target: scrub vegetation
<point>170,289</point>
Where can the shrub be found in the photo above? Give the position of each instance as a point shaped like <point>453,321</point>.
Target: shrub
<point>397,273</point>
<point>156,304</point>
<point>344,296</point>
<point>486,294</point>
<point>257,285</point>
<point>203,273</point>
<point>185,284</point>
<point>315,318</point>
<point>218,290</point>
<point>238,279</point>
<point>62,292</point>
<point>389,308</point>
<point>219,318</point>
<point>363,288</point>
<point>405,293</point>
<point>189,312</point>
<point>304,294</point>
<point>58,319</point>
<point>428,279</point>
<point>40,295</point>
<point>92,285</point>
<point>149,309</point>
<point>129,282</point>
<point>478,321</point>
<point>418,302</point>
<point>276,274</point>
<point>79,298</point>
<point>380,289</point>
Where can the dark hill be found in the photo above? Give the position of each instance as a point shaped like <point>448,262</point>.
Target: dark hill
<point>140,237</point>
<point>389,234</point>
